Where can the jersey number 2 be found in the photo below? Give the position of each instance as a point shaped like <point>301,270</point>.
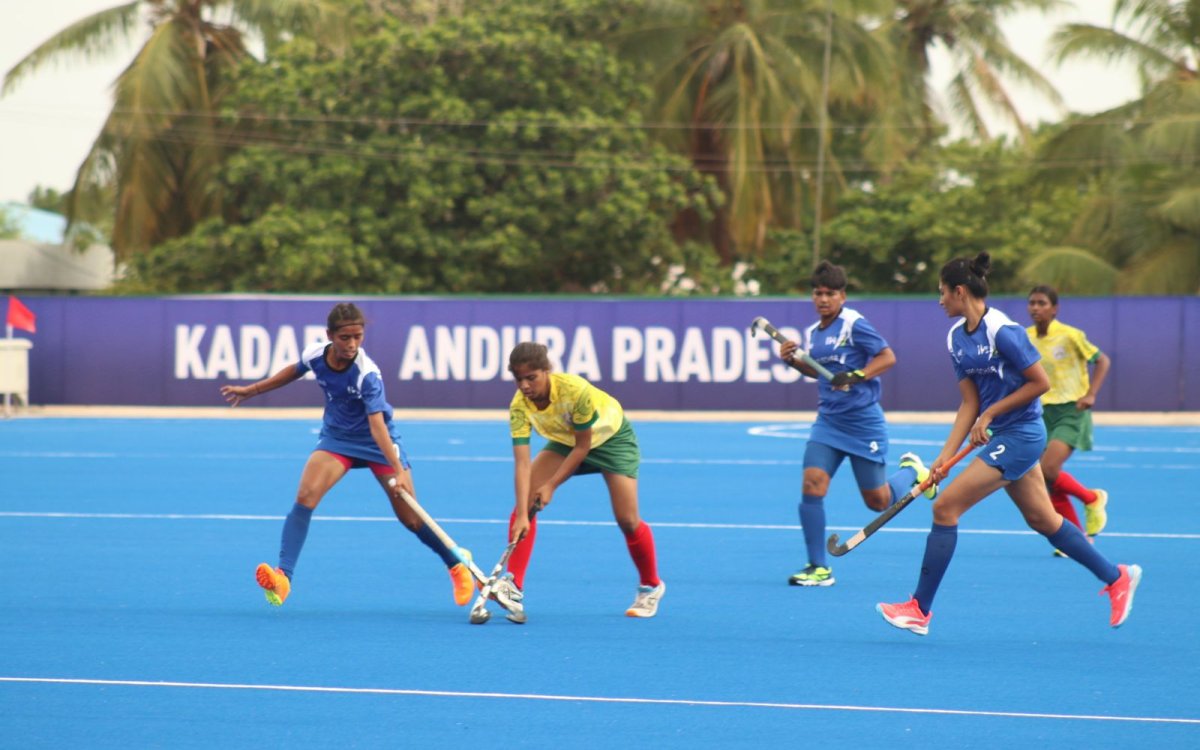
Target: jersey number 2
<point>996,453</point>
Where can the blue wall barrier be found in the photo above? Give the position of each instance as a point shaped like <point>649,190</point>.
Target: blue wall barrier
<point>651,354</point>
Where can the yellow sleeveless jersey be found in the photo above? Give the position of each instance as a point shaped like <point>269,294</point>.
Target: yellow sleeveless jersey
<point>575,404</point>
<point>1066,353</point>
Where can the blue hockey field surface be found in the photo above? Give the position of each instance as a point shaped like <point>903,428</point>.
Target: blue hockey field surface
<point>129,615</point>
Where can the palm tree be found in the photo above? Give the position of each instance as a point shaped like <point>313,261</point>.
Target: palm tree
<point>160,144</point>
<point>739,85</point>
<point>969,31</point>
<point>1140,232</point>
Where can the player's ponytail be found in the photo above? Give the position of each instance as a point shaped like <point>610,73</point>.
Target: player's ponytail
<point>971,273</point>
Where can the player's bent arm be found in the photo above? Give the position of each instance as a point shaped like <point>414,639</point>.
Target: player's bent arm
<point>787,352</point>
<point>1036,383</point>
<point>1103,363</point>
<point>235,394</point>
<point>880,363</point>
<point>383,439</point>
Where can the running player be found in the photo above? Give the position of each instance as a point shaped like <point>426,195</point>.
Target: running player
<point>587,433</point>
<point>357,432</point>
<point>850,421</point>
<point>1000,380</point>
<point>1067,406</point>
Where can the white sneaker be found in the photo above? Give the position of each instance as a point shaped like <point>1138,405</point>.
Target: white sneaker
<point>510,597</point>
<point>646,602</point>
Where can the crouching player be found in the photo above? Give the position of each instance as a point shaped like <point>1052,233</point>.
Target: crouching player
<point>588,434</point>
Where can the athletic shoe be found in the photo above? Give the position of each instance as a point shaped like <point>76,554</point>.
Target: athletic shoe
<point>1095,517</point>
<point>510,597</point>
<point>274,582</point>
<point>464,584</point>
<point>645,604</point>
<point>906,616</point>
<point>1120,593</point>
<point>914,462</point>
<point>813,575</point>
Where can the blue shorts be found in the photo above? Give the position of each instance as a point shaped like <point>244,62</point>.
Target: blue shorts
<point>362,452</point>
<point>869,473</point>
<point>863,433</point>
<point>1016,449</point>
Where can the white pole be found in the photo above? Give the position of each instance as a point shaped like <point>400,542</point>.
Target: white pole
<point>821,134</point>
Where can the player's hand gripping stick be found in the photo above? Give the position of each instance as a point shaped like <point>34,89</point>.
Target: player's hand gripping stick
<point>837,550</point>
<point>761,323</point>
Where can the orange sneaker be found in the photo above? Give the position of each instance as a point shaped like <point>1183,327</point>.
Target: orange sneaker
<point>1120,593</point>
<point>274,583</point>
<point>906,616</point>
<point>464,584</point>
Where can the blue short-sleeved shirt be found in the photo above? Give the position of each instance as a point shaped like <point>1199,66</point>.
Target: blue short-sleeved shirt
<point>994,356</point>
<point>350,396</point>
<point>851,421</point>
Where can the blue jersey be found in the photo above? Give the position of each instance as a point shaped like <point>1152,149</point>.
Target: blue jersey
<point>851,420</point>
<point>994,356</point>
<point>350,396</point>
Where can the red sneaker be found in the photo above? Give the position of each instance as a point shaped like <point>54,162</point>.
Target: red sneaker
<point>1120,593</point>
<point>906,616</point>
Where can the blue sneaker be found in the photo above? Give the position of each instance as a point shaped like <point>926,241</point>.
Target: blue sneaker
<point>913,461</point>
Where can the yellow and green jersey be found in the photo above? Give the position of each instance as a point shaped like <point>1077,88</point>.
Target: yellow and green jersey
<point>575,405</point>
<point>1066,353</point>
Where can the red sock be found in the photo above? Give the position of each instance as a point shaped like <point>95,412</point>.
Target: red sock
<point>518,561</point>
<point>1067,483</point>
<point>641,549</point>
<point>1062,504</point>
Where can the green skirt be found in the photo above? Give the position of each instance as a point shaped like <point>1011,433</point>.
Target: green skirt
<point>618,455</point>
<point>1069,425</point>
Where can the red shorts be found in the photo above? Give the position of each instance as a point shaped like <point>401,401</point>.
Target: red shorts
<point>379,470</point>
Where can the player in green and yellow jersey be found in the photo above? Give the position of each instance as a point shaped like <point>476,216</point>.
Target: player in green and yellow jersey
<point>587,433</point>
<point>1067,406</point>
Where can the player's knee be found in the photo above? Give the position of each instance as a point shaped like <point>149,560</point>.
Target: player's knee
<point>308,495</point>
<point>816,486</point>
<point>876,501</point>
<point>628,524</point>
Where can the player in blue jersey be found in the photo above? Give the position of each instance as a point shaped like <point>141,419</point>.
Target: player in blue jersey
<point>850,422</point>
<point>357,432</point>
<point>1001,379</point>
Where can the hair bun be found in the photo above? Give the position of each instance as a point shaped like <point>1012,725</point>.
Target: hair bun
<point>981,265</point>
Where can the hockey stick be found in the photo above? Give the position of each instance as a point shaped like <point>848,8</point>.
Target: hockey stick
<point>479,612</point>
<point>765,325</point>
<point>837,550</point>
<point>437,530</point>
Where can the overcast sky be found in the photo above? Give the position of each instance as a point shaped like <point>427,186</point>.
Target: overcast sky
<point>49,122</point>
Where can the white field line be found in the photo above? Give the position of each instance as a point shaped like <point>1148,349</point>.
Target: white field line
<point>597,699</point>
<point>545,521</point>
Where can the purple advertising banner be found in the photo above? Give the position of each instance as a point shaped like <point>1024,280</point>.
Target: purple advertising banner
<point>651,354</point>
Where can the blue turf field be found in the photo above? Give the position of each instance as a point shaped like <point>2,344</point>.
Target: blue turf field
<point>129,616</point>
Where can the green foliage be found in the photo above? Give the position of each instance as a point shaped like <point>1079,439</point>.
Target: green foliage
<point>496,151</point>
<point>9,230</point>
<point>952,202</point>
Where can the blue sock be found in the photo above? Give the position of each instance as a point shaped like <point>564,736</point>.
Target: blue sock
<point>1071,540</point>
<point>901,482</point>
<point>295,531</point>
<point>939,549</point>
<point>430,540</point>
<point>812,520</point>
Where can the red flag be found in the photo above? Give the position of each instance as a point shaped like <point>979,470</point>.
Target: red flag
<point>20,316</point>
